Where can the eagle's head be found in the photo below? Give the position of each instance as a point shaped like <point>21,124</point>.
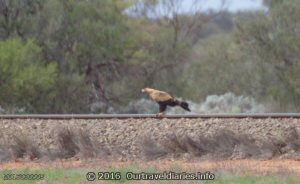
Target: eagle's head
<point>146,90</point>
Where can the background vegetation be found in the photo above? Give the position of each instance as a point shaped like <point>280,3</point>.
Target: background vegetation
<point>76,56</point>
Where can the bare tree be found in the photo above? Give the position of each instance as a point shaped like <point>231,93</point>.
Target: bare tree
<point>184,17</point>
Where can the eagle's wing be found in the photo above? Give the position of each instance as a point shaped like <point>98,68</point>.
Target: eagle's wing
<point>161,96</point>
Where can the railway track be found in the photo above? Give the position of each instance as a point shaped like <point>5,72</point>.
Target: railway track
<point>141,116</point>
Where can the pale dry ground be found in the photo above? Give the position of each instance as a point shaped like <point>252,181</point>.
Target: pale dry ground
<point>247,166</point>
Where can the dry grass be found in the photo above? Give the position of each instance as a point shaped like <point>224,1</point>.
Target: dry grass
<point>24,146</point>
<point>70,143</point>
<point>67,143</point>
<point>293,138</point>
<point>153,150</point>
<point>225,144</point>
<point>74,143</point>
<point>20,146</point>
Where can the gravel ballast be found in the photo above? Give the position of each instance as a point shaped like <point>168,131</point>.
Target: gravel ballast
<point>146,139</point>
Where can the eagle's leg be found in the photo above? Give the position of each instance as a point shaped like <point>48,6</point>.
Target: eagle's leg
<point>162,110</point>
<point>161,114</point>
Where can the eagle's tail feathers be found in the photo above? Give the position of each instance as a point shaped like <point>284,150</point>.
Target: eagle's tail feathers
<point>185,106</point>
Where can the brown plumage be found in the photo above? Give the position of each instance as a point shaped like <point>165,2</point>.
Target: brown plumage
<point>164,99</point>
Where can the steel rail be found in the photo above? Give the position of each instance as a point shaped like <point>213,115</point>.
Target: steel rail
<point>142,116</point>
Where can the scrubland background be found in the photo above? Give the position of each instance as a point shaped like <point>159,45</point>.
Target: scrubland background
<point>77,56</point>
